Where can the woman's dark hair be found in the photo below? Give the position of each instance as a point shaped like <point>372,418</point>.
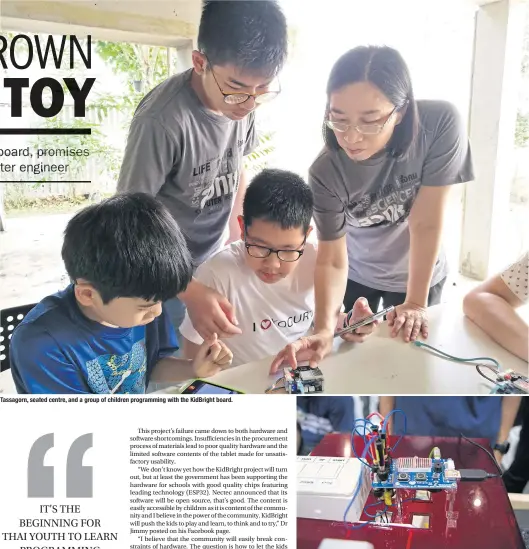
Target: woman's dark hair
<point>128,246</point>
<point>385,68</point>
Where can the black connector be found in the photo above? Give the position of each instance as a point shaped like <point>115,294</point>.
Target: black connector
<point>475,475</point>
<point>383,475</point>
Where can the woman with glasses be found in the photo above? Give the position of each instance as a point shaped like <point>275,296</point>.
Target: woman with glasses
<point>380,191</point>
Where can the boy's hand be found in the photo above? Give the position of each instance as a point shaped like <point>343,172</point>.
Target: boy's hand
<point>212,357</point>
<point>210,312</point>
<point>312,348</point>
<point>360,310</point>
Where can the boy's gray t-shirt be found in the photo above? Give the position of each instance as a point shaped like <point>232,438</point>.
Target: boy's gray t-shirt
<point>189,158</point>
<point>370,201</point>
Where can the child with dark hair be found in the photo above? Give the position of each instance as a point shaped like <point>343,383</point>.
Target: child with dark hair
<point>107,332</point>
<point>268,275</point>
<point>189,136</point>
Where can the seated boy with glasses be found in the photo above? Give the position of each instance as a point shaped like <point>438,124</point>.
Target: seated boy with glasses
<point>268,275</point>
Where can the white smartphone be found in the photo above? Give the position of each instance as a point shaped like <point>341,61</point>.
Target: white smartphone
<point>364,322</point>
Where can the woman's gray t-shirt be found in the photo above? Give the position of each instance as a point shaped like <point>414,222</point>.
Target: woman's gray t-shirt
<point>370,201</point>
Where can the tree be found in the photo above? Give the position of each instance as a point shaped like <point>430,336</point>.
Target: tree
<point>521,134</point>
<point>258,159</point>
<point>143,66</point>
<point>108,158</point>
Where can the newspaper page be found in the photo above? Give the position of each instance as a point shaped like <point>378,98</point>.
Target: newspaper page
<point>151,473</point>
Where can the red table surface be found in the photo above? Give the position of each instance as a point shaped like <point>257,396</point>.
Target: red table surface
<point>489,526</point>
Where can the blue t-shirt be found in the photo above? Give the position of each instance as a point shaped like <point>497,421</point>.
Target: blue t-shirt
<point>57,349</point>
<point>320,415</point>
<point>474,416</point>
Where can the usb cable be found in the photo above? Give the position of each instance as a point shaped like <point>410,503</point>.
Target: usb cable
<point>475,475</point>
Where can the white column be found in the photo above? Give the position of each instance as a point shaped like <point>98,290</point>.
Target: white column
<point>495,85</point>
<point>2,211</point>
<point>183,57</point>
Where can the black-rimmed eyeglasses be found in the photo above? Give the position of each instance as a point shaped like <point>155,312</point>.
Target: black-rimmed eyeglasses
<point>237,98</point>
<point>261,252</point>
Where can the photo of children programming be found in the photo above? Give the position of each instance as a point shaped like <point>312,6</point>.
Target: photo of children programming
<point>243,223</point>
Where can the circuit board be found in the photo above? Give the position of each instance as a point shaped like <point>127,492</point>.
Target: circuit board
<point>303,379</point>
<point>416,473</point>
<point>510,382</point>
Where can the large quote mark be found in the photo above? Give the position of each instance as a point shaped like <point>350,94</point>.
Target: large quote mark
<point>41,478</point>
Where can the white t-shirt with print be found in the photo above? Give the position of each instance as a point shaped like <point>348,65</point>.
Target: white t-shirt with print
<point>269,315</point>
<point>516,277</point>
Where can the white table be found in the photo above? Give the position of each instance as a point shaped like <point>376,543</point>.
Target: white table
<point>384,365</point>
<point>7,385</point>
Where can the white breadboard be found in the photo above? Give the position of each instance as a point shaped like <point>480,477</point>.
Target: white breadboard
<point>325,487</point>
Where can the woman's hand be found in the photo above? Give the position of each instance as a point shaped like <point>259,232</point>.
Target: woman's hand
<point>310,348</point>
<point>317,346</point>
<point>410,319</point>
<point>212,357</point>
<point>210,312</point>
<point>360,310</point>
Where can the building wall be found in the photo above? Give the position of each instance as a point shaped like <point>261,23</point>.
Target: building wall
<point>436,39</point>
<point>156,22</point>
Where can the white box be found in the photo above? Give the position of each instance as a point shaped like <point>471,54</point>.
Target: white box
<point>329,543</point>
<point>326,485</point>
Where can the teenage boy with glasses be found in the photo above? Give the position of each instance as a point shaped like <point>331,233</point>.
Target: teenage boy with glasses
<point>189,136</point>
<point>268,275</point>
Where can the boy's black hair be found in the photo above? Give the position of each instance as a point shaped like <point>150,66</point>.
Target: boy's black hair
<point>128,246</point>
<point>252,35</point>
<point>278,196</point>
<point>386,69</point>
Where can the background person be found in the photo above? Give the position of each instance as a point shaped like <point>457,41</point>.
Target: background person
<point>490,417</point>
<point>318,416</point>
<point>492,306</point>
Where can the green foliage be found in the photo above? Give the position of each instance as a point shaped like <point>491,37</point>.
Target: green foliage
<point>258,159</point>
<point>145,64</point>
<point>521,133</point>
<point>107,158</point>
<point>120,57</point>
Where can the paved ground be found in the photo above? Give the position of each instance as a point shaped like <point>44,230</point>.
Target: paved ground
<point>31,265</point>
<point>30,259</point>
